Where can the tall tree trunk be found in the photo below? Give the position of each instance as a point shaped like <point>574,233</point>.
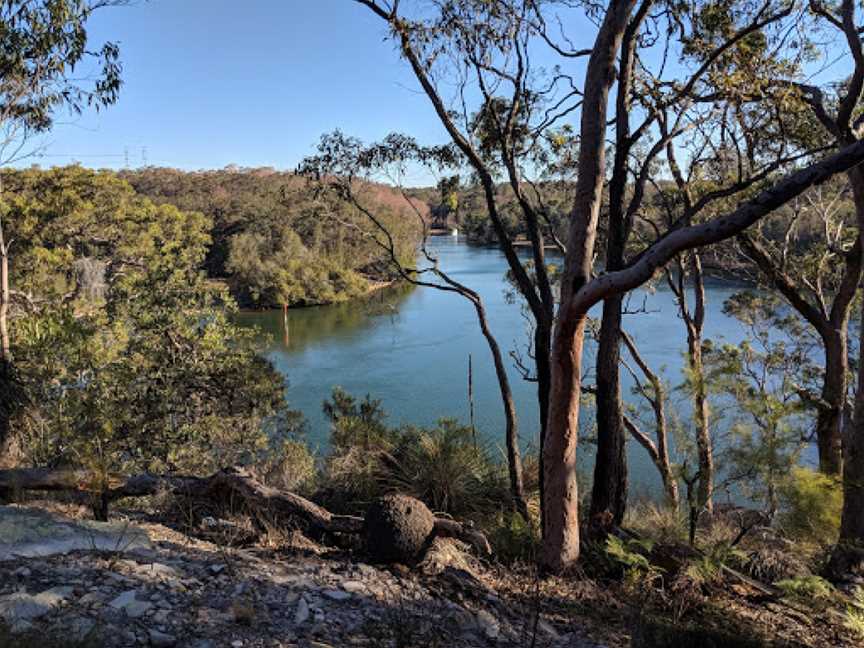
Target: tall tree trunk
<point>542,362</point>
<point>561,494</point>
<point>5,345</point>
<point>560,491</point>
<point>609,492</point>
<point>829,418</point>
<point>704,444</point>
<point>852,518</point>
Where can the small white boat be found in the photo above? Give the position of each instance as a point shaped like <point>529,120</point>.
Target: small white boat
<point>454,232</point>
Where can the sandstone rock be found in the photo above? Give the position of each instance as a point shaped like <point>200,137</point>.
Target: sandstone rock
<point>28,532</point>
<point>80,628</point>
<point>397,528</point>
<point>161,640</point>
<point>302,612</point>
<point>353,586</point>
<point>488,624</point>
<point>17,610</point>
<point>337,595</point>
<point>129,603</point>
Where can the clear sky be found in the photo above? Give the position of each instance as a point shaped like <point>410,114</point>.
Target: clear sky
<point>209,83</point>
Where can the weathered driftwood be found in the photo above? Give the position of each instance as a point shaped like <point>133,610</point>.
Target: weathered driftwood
<point>274,503</point>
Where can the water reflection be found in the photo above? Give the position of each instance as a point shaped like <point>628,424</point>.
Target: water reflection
<point>298,328</point>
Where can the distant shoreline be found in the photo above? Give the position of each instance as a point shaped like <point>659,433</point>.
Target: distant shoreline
<point>374,287</point>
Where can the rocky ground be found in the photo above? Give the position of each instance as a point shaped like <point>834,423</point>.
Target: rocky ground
<point>149,585</point>
<point>69,583</point>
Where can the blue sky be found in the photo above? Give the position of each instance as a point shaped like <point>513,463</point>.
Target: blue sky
<point>209,83</point>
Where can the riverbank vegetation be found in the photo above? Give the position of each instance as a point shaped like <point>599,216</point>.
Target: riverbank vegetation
<point>275,242</point>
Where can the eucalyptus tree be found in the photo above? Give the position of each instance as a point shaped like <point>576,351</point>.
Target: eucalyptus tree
<point>41,44</point>
<point>726,43</point>
<point>482,50</point>
<point>818,276</point>
<point>834,108</point>
<point>839,114</point>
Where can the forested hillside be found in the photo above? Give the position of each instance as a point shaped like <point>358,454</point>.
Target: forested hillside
<point>276,242</point>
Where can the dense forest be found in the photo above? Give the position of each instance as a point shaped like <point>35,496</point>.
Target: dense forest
<point>275,242</point>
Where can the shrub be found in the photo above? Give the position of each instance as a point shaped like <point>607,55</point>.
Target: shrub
<point>808,589</point>
<point>855,613</point>
<point>359,441</point>
<point>770,564</point>
<point>513,539</point>
<point>292,468</point>
<point>661,523</point>
<point>445,468</point>
<point>811,504</point>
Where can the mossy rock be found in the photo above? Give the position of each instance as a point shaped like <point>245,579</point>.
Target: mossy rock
<point>397,529</point>
<point>651,632</point>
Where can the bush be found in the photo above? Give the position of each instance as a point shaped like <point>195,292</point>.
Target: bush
<point>513,539</point>
<point>811,504</point>
<point>811,590</point>
<point>359,443</point>
<point>855,613</point>
<point>441,466</point>
<point>658,522</point>
<point>446,469</point>
<point>292,468</point>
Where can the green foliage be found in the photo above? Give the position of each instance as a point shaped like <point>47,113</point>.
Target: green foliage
<point>441,466</point>
<point>359,442</point>
<point>709,568</point>
<point>631,556</point>
<point>811,504</point>
<point>629,553</point>
<point>813,590</point>
<point>276,268</point>
<point>127,354</point>
<point>760,377</point>
<point>356,423</point>
<point>291,467</point>
<point>855,613</point>
<point>277,241</point>
<point>658,522</point>
<point>445,467</point>
<point>513,539</point>
<point>42,44</point>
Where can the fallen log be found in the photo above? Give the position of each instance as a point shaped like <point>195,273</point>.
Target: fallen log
<point>271,503</point>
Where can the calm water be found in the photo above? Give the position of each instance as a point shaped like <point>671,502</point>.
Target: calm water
<point>409,348</point>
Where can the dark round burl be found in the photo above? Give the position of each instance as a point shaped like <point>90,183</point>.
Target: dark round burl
<point>397,528</point>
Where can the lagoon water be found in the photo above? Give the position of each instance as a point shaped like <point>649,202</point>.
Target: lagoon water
<point>409,347</point>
